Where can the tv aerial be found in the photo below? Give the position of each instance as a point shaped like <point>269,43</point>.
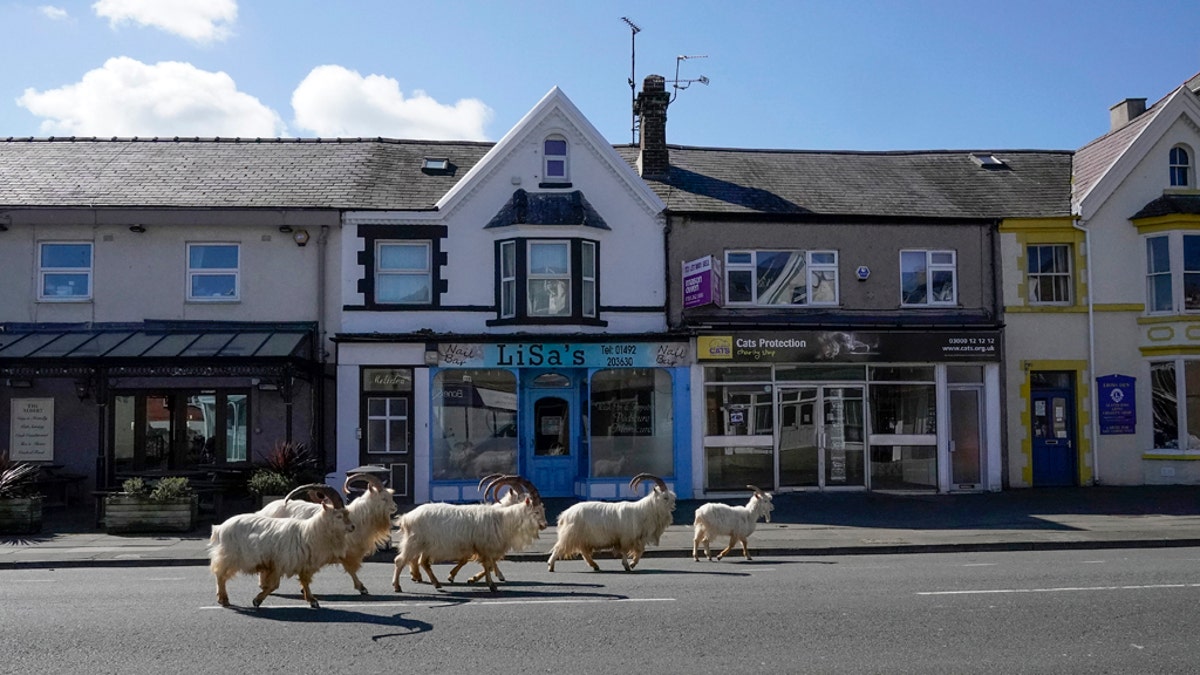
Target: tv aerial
<point>634,29</point>
<point>679,85</point>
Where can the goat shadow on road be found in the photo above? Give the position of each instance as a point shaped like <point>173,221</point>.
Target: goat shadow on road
<point>326,615</point>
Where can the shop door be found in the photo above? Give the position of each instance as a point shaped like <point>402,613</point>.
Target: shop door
<point>966,439</point>
<point>551,440</point>
<point>1053,437</point>
<point>820,438</point>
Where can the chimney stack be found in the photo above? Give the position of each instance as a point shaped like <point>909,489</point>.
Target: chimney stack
<point>1121,113</point>
<point>651,106</point>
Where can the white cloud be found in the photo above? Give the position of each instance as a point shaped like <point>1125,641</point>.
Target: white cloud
<point>196,20</point>
<point>126,97</point>
<point>53,13</point>
<point>333,101</point>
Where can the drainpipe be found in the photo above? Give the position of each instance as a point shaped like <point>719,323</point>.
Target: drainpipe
<point>318,411</point>
<point>1077,223</point>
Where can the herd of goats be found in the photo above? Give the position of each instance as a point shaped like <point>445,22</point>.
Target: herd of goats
<point>313,527</point>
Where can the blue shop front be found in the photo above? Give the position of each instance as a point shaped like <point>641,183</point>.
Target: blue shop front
<point>577,418</point>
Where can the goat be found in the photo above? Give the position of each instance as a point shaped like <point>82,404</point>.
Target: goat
<point>276,547</point>
<point>437,531</point>
<point>371,514</point>
<point>488,486</point>
<point>626,527</point>
<point>715,519</point>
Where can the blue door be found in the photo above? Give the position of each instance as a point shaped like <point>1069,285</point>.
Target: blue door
<point>550,417</point>
<point>1053,434</point>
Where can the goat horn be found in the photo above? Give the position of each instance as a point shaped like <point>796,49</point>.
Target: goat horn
<point>531,489</point>
<point>637,480</point>
<point>494,482</point>
<point>334,497</point>
<point>488,478</point>
<point>295,494</point>
<point>757,492</point>
<point>370,478</point>
<point>510,480</point>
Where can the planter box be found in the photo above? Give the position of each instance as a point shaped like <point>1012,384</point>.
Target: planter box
<point>263,500</point>
<point>21,515</point>
<point>123,513</point>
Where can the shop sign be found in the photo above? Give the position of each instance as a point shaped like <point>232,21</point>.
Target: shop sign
<point>387,379</point>
<point>851,346</point>
<point>31,438</point>
<point>1118,413</point>
<point>701,282</point>
<point>565,355</point>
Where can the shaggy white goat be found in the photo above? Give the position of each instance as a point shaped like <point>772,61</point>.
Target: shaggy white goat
<point>488,487</point>
<point>278,547</point>
<point>626,527</point>
<point>436,531</point>
<point>371,514</point>
<point>715,519</point>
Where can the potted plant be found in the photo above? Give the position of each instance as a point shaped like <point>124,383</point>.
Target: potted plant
<point>284,467</point>
<point>269,485</point>
<point>20,503</point>
<point>170,505</point>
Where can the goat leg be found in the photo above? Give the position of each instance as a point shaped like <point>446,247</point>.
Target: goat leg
<point>352,566</point>
<point>306,589</point>
<point>268,582</point>
<point>732,543</point>
<point>429,570</point>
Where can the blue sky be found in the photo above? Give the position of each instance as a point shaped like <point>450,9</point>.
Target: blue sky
<point>796,74</point>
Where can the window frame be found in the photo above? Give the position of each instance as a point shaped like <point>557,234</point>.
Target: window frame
<point>1179,167</point>
<point>195,272</point>
<point>1034,279</point>
<point>1177,278</point>
<point>930,266</point>
<point>531,278</point>
<point>425,272</point>
<point>512,287</point>
<point>812,268</point>
<point>45,271</point>
<point>548,159</point>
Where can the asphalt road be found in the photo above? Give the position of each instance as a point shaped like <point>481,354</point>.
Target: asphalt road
<point>1118,611</point>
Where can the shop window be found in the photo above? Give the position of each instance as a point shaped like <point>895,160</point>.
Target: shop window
<point>65,271</point>
<point>547,280</point>
<point>773,278</point>
<point>474,423</point>
<point>928,278</point>
<point>213,272</point>
<point>403,273</point>
<point>1048,274</point>
<point>631,421</point>
<point>1176,426</point>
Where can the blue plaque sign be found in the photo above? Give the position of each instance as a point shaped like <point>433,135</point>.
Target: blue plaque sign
<point>1118,409</point>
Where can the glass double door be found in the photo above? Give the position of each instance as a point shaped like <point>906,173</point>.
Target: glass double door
<point>821,441</point>
<point>161,431</point>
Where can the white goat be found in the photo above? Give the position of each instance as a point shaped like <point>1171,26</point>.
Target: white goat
<point>436,531</point>
<point>278,547</point>
<point>715,519</point>
<point>371,514</point>
<point>626,527</point>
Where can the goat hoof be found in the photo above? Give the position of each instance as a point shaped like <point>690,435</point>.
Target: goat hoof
<point>363,591</point>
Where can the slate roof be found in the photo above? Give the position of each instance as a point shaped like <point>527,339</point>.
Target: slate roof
<point>923,184</point>
<point>1093,160</point>
<point>1169,205</point>
<point>385,174</point>
<point>230,173</point>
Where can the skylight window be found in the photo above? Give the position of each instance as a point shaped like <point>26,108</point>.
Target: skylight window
<point>436,164</point>
<point>988,160</point>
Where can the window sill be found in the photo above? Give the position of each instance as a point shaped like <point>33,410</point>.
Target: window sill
<point>555,186</point>
<point>548,321</point>
<point>1172,455</point>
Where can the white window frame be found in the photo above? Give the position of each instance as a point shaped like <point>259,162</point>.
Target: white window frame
<point>531,277</point>
<point>508,279</point>
<point>547,158</point>
<point>1176,274</point>
<point>1034,280</point>
<point>817,267</point>
<point>1176,167</point>
<point>50,271</point>
<point>935,261</point>
<point>587,280</point>
<point>195,272</point>
<point>425,271</point>
<point>390,415</point>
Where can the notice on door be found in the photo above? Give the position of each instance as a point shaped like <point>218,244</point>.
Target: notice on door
<point>32,433</point>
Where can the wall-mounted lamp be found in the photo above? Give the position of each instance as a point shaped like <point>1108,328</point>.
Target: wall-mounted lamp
<point>20,384</point>
<point>286,229</point>
<point>137,228</point>
<point>300,237</point>
<point>83,388</point>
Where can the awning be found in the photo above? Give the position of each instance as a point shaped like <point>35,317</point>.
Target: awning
<point>155,340</point>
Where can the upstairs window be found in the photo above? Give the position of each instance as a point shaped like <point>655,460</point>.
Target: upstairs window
<point>213,272</point>
<point>1048,274</point>
<point>403,273</point>
<point>928,278</point>
<point>1158,274</point>
<point>554,154</point>
<point>547,280</point>
<point>1180,167</point>
<point>1173,273</point>
<point>65,271</point>
<point>774,278</point>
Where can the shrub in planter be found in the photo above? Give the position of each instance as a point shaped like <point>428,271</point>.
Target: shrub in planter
<point>170,505</point>
<point>293,461</point>
<point>269,485</point>
<point>20,503</point>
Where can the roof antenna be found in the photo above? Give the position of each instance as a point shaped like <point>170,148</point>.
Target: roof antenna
<point>634,29</point>
<point>680,85</point>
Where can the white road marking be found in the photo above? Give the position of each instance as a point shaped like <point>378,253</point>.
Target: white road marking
<point>1064,589</point>
<point>1092,562</point>
<point>469,603</point>
<point>567,601</point>
<point>981,564</point>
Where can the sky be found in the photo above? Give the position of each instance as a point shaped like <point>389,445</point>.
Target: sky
<point>786,74</point>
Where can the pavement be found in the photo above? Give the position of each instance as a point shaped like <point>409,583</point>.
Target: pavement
<point>803,524</point>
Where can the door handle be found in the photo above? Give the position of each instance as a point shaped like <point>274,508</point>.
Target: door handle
<point>953,446</point>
